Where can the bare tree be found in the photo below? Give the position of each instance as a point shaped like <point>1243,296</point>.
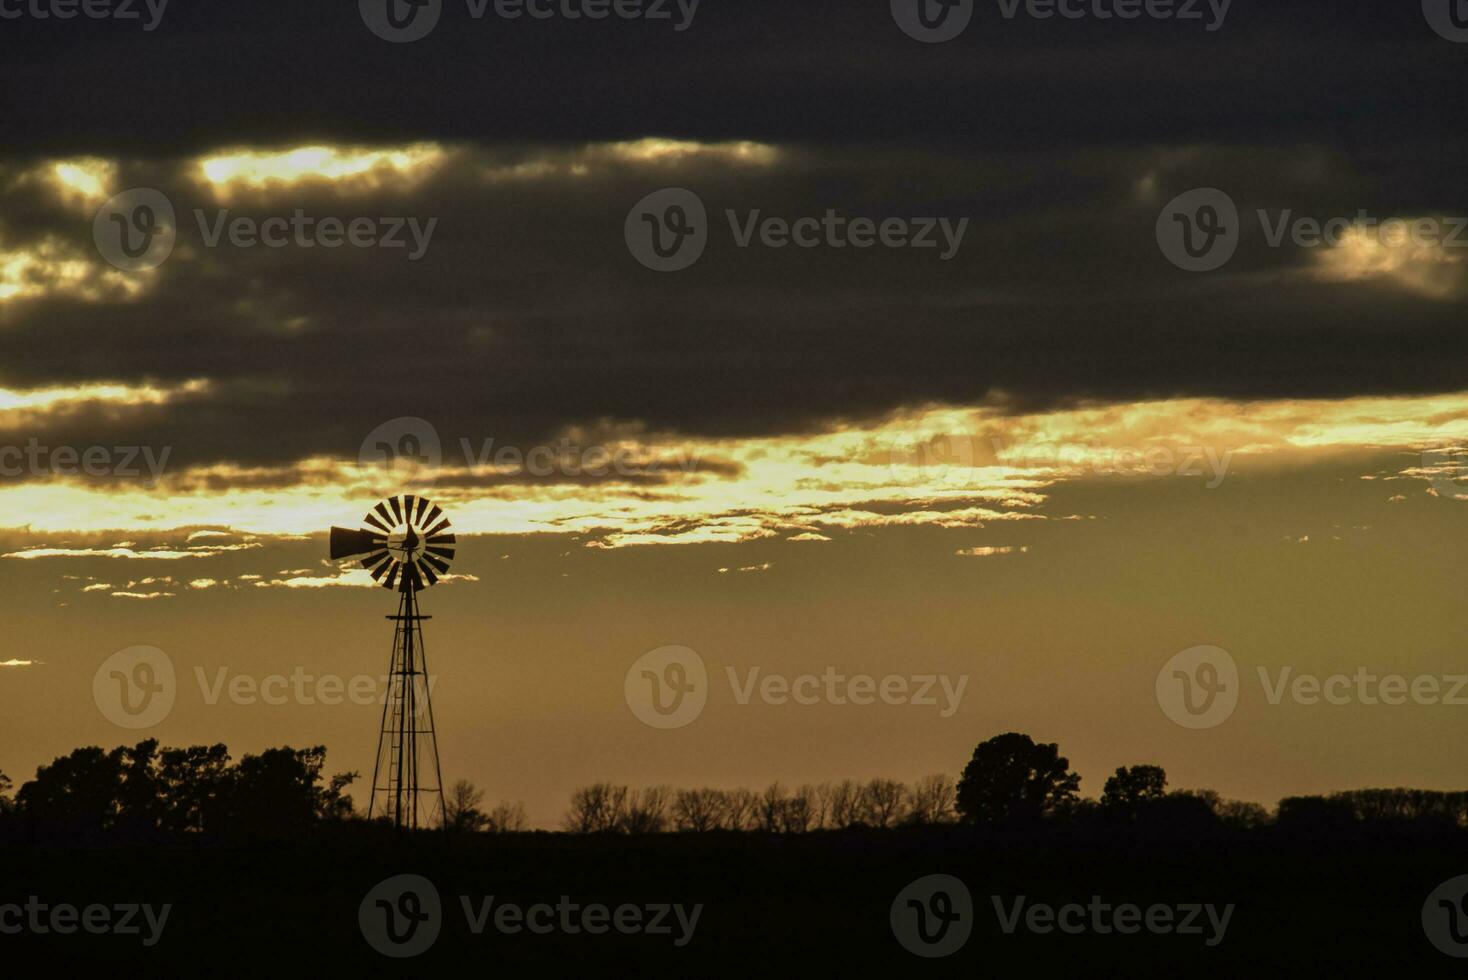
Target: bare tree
<point>882,802</point>
<point>506,818</point>
<point>597,808</point>
<point>770,808</point>
<point>820,801</point>
<point>739,809</point>
<point>461,807</point>
<point>845,804</point>
<point>1242,814</point>
<point>698,809</point>
<point>930,800</point>
<point>647,810</point>
<point>799,808</point>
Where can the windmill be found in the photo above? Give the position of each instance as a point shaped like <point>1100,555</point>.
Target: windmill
<point>406,544</point>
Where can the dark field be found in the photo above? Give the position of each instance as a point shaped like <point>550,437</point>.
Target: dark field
<point>1344,904</point>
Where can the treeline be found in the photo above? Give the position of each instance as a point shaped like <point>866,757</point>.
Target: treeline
<point>605,807</point>
<point>1011,783</point>
<point>1416,806</point>
<point>144,793</point>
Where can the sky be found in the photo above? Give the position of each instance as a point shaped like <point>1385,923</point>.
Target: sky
<point>1012,366</point>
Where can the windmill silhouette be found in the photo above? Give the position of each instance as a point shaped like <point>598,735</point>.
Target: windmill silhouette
<point>406,544</point>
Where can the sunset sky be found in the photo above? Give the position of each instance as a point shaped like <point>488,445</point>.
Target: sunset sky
<point>1047,463</point>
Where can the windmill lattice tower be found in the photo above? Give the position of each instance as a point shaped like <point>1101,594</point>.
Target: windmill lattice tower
<point>406,544</point>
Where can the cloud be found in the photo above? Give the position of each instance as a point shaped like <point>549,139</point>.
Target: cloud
<point>762,567</point>
<point>352,578</point>
<point>156,554</point>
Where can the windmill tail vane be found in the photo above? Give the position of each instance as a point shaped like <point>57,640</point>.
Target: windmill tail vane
<point>406,544</point>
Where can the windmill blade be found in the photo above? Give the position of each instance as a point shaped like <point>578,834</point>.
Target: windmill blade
<point>381,508</point>
<point>447,554</point>
<point>441,539</point>
<point>371,518</point>
<point>346,542</point>
<point>380,569</point>
<point>423,503</point>
<point>397,509</point>
<point>427,573</point>
<point>441,526</point>
<point>375,559</point>
<point>437,563</point>
<point>392,575</point>
<point>434,513</point>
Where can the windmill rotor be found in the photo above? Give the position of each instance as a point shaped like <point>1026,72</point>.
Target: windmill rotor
<point>405,542</point>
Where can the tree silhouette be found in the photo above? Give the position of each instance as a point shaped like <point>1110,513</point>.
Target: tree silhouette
<point>76,797</point>
<point>930,800</point>
<point>195,784</point>
<point>462,811</point>
<point>1134,787</point>
<point>506,818</point>
<point>276,793</point>
<point>1011,779</point>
